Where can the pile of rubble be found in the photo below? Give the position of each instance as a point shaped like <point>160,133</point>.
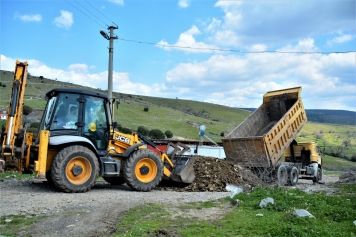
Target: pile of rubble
<point>348,176</point>
<point>213,175</point>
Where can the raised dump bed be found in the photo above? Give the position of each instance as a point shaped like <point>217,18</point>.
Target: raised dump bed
<point>261,139</point>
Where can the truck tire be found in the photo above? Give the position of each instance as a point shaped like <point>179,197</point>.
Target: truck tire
<point>282,175</point>
<point>293,176</point>
<point>115,180</point>
<point>143,170</point>
<point>319,176</point>
<point>75,169</point>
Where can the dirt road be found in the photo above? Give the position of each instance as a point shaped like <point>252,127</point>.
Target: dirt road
<point>94,213</point>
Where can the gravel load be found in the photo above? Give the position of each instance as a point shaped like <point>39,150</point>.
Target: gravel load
<point>213,175</point>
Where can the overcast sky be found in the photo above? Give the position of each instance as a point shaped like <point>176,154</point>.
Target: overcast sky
<point>224,52</point>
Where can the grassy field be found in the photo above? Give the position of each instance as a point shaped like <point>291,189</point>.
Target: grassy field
<point>242,216</point>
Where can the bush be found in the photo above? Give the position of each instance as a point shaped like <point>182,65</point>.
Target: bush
<point>125,130</point>
<point>143,130</point>
<point>35,125</point>
<point>156,134</point>
<point>353,158</point>
<point>145,109</point>
<point>3,85</point>
<point>26,110</point>
<point>168,134</point>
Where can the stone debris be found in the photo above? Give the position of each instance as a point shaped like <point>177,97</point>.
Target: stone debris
<point>213,175</point>
<point>303,213</point>
<point>266,201</point>
<point>234,190</point>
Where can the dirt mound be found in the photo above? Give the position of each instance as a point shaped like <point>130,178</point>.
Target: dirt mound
<point>348,176</point>
<point>213,175</point>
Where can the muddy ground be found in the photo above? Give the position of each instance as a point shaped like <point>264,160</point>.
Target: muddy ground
<point>96,212</point>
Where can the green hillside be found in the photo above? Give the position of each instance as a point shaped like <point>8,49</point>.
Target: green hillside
<point>183,117</point>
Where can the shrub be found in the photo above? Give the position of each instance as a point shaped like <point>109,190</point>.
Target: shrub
<point>3,85</point>
<point>35,125</point>
<point>26,110</point>
<point>125,130</point>
<point>145,109</point>
<point>168,134</point>
<point>353,158</point>
<point>143,130</point>
<point>156,134</point>
<point>222,134</point>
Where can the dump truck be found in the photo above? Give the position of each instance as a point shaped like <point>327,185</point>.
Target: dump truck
<point>77,141</point>
<point>269,133</point>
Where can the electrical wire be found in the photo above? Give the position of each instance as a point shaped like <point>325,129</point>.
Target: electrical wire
<point>91,12</point>
<point>233,50</point>
<point>84,13</point>
<point>100,12</point>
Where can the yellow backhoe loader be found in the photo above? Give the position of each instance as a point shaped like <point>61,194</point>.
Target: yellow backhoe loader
<point>77,141</point>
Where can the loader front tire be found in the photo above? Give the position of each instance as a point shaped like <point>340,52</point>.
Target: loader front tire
<point>75,169</point>
<point>143,170</point>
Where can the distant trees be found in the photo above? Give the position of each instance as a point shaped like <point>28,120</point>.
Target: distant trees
<point>143,130</point>
<point>26,110</point>
<point>156,134</point>
<point>168,134</point>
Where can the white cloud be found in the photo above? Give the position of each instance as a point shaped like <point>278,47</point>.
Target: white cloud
<point>118,2</point>
<point>243,79</point>
<point>183,3</point>
<point>279,22</point>
<point>340,39</point>
<point>186,41</point>
<point>79,67</point>
<point>65,20</point>
<point>79,74</point>
<point>29,17</point>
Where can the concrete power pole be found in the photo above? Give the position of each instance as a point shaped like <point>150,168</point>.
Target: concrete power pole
<point>111,53</point>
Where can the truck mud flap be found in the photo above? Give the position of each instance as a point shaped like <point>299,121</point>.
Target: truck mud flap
<point>183,169</point>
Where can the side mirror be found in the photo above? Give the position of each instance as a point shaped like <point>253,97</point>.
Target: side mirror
<point>114,125</point>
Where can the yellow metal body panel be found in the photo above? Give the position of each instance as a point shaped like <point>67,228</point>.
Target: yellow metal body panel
<point>311,146</point>
<point>41,163</point>
<point>261,139</point>
<point>29,138</point>
<point>14,123</point>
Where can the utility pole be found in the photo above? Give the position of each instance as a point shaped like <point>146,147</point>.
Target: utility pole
<point>111,53</point>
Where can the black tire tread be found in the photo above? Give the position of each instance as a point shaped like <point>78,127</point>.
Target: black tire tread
<point>59,161</point>
<point>129,170</point>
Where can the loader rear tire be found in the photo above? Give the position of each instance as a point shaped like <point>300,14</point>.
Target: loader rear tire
<point>115,180</point>
<point>75,169</point>
<point>282,175</point>
<point>143,170</point>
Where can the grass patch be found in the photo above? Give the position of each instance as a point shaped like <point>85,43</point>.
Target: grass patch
<point>11,174</point>
<point>334,216</point>
<point>10,225</point>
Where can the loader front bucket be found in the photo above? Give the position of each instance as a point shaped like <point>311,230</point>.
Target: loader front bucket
<point>183,170</point>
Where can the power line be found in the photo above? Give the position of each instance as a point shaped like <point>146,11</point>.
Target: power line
<point>90,12</point>
<point>232,50</point>
<point>84,13</point>
<point>100,12</point>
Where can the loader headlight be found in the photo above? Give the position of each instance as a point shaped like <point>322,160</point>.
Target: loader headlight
<point>92,127</point>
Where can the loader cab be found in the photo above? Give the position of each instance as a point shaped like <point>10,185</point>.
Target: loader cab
<point>73,116</point>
